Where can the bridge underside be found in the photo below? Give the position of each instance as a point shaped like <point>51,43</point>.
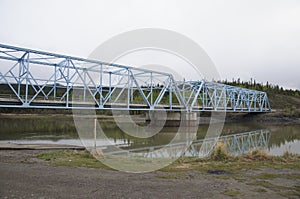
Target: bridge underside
<point>35,79</point>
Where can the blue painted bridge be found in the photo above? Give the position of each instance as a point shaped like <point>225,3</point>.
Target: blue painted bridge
<point>36,79</point>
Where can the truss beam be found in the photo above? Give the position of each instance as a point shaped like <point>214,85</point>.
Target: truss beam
<point>37,79</point>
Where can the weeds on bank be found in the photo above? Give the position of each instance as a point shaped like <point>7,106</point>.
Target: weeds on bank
<point>219,160</point>
<point>72,158</point>
<point>220,153</point>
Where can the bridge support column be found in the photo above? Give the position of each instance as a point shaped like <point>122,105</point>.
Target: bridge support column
<point>172,119</point>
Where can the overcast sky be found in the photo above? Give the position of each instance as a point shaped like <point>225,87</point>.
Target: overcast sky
<point>257,38</point>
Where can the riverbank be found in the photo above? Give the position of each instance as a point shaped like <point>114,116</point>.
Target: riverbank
<point>276,116</point>
<point>58,174</point>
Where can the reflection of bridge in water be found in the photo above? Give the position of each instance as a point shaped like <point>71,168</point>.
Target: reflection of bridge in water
<point>235,144</point>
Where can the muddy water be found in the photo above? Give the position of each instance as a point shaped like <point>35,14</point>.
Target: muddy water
<point>61,130</point>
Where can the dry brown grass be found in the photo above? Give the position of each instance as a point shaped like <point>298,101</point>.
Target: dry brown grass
<point>257,154</point>
<point>220,153</point>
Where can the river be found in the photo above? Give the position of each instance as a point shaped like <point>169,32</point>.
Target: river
<point>24,129</point>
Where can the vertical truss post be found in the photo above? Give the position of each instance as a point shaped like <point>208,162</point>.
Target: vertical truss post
<point>203,98</point>
<point>254,101</point>
<point>101,86</point>
<point>68,82</point>
<point>54,83</point>
<point>260,104</point>
<point>170,92</point>
<point>109,79</point>
<point>215,98</point>
<point>27,78</point>
<point>225,99</point>
<point>128,89</point>
<point>151,90</point>
<point>19,77</point>
<point>84,84</point>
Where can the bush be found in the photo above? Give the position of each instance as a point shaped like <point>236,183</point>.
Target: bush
<point>220,153</point>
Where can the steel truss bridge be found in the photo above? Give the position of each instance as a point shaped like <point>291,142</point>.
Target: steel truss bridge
<point>36,79</point>
<point>235,144</point>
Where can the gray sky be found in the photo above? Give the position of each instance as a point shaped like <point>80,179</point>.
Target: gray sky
<point>258,39</point>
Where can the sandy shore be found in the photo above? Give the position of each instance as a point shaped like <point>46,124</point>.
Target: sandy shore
<point>23,175</point>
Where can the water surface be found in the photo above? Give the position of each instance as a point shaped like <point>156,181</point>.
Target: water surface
<point>61,130</point>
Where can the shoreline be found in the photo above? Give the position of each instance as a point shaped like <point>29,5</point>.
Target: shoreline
<point>25,173</point>
<point>278,116</point>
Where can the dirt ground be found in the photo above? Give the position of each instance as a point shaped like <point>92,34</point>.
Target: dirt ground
<point>22,175</point>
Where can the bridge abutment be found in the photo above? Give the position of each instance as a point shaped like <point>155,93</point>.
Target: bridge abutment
<point>172,119</point>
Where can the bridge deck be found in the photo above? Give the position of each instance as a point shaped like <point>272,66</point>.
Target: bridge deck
<point>57,104</point>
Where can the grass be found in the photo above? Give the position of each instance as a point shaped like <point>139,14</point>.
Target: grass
<point>220,153</point>
<point>281,190</point>
<point>85,159</point>
<point>239,179</point>
<point>221,160</point>
<point>266,184</point>
<point>267,176</point>
<point>72,158</point>
<point>260,190</point>
<point>218,161</point>
<point>171,176</point>
<point>285,191</point>
<point>232,193</point>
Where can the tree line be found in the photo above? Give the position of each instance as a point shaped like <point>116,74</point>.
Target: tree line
<point>266,87</point>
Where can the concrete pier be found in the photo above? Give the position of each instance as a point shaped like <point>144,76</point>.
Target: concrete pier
<point>172,119</point>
